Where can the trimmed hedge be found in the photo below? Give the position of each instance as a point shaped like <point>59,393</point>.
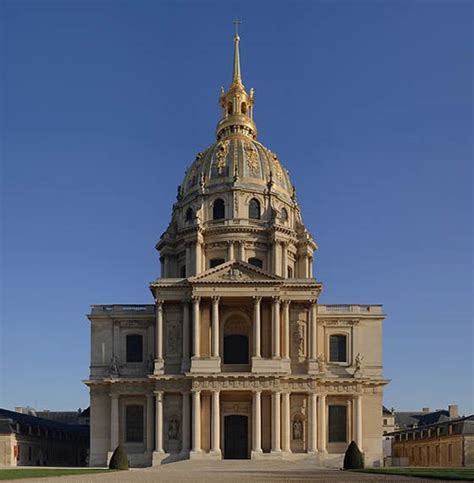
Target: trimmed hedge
<point>353,459</point>
<point>119,460</point>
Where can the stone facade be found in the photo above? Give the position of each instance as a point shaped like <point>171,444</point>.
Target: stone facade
<point>236,358</point>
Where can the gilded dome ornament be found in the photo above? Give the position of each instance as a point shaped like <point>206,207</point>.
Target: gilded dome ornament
<point>252,157</point>
<point>221,155</point>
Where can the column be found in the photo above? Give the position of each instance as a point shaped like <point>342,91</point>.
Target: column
<point>284,264</point>
<point>358,420</point>
<point>311,267</point>
<point>286,329</point>
<point>313,330</point>
<point>114,421</point>
<point>312,423</point>
<point>186,338</point>
<point>159,330</point>
<point>185,422</point>
<point>215,327</point>
<point>257,421</point>
<point>322,423</point>
<point>197,257</point>
<point>276,421</point>
<point>276,258</point>
<point>215,424</point>
<point>242,250</point>
<point>159,422</point>
<point>230,250</point>
<point>276,328</point>
<point>196,327</point>
<point>196,421</point>
<point>256,327</point>
<point>286,422</point>
<point>188,260</point>
<point>149,423</point>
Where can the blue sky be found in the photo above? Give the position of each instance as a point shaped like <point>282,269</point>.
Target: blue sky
<point>368,104</point>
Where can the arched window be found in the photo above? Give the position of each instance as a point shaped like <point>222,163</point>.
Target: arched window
<point>243,108</point>
<point>338,348</point>
<point>134,423</point>
<point>236,349</point>
<point>289,272</point>
<point>254,209</point>
<point>229,108</point>
<point>134,343</point>
<point>218,209</point>
<point>189,214</point>
<point>284,215</point>
<point>215,262</point>
<point>256,262</point>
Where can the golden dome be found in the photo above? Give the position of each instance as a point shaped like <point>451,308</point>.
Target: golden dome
<point>237,160</point>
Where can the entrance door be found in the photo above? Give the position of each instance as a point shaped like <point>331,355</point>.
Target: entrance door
<point>236,437</point>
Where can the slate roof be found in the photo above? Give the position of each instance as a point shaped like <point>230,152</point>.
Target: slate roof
<point>9,419</point>
<point>386,411</point>
<point>463,425</point>
<point>410,419</point>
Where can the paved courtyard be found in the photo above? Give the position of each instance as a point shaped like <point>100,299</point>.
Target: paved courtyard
<point>229,471</point>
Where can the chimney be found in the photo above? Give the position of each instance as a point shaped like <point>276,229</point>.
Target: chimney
<point>425,410</point>
<point>453,411</point>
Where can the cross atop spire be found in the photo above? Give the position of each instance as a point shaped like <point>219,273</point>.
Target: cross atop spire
<point>236,22</point>
<point>236,77</point>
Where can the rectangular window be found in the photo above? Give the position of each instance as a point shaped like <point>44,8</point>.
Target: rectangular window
<point>337,424</point>
<point>337,348</point>
<point>134,424</point>
<point>385,422</point>
<point>134,348</point>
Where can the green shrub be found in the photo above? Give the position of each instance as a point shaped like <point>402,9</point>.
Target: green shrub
<point>353,459</point>
<point>119,460</point>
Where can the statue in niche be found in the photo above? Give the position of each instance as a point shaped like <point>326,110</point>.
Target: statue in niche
<point>150,364</point>
<point>321,363</point>
<point>358,364</point>
<point>297,429</point>
<point>173,428</point>
<point>298,338</point>
<point>114,368</point>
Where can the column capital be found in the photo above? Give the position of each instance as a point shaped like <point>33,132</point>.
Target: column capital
<point>196,299</point>
<point>159,303</point>
<point>276,299</point>
<point>114,395</point>
<point>286,302</point>
<point>159,395</point>
<point>215,299</point>
<point>257,391</point>
<point>195,390</point>
<point>257,299</point>
<point>312,302</point>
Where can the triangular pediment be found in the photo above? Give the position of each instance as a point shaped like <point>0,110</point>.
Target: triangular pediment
<point>235,272</point>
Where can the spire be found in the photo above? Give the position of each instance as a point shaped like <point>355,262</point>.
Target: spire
<point>236,78</point>
<point>236,103</point>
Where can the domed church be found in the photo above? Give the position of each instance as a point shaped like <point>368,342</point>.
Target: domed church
<point>236,358</point>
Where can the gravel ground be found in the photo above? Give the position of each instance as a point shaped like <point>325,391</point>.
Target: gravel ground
<point>229,471</point>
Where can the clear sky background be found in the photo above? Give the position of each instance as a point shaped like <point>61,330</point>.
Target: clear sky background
<point>368,104</point>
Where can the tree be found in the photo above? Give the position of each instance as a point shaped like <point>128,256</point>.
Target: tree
<point>119,460</point>
<point>353,459</point>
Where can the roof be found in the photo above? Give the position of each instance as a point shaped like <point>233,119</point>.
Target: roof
<point>410,419</point>
<point>463,425</point>
<point>8,417</point>
<point>386,411</point>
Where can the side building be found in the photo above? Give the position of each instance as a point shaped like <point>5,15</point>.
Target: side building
<point>444,444</point>
<point>27,440</point>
